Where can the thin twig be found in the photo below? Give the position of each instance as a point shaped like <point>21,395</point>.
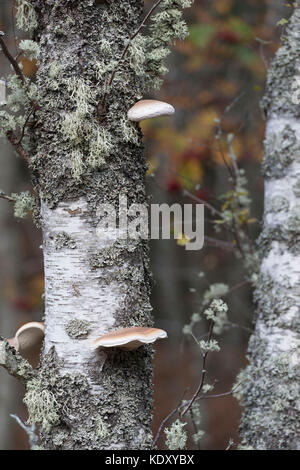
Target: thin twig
<point>5,196</point>
<point>182,405</point>
<point>25,124</point>
<point>219,243</point>
<point>164,421</point>
<point>17,146</point>
<point>213,210</point>
<point>230,444</point>
<point>204,357</point>
<point>238,286</point>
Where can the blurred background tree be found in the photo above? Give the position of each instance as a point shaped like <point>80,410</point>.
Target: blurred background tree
<point>217,73</point>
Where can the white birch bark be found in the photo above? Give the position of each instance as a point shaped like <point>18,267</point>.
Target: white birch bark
<point>270,386</point>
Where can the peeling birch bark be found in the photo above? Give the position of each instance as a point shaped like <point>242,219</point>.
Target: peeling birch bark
<point>269,388</point>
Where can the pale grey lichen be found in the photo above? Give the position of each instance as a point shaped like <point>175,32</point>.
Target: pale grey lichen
<point>42,406</point>
<point>64,240</point>
<point>176,436</point>
<point>23,205</point>
<point>217,312</point>
<point>209,346</point>
<point>198,436</point>
<point>26,17</point>
<point>100,147</point>
<point>30,48</point>
<point>296,188</point>
<point>2,352</point>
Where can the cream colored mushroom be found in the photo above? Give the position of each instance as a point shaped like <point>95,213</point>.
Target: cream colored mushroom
<point>147,109</point>
<point>30,336</point>
<point>129,338</point>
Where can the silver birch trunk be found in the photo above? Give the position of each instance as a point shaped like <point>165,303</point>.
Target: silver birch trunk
<point>83,153</point>
<point>269,388</point>
<point>93,283</point>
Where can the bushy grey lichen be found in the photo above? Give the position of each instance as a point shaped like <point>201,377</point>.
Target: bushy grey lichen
<point>24,204</point>
<point>30,48</point>
<point>41,403</point>
<point>176,436</point>
<point>26,17</point>
<point>101,429</point>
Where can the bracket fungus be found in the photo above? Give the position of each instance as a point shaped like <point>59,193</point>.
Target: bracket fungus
<point>28,340</point>
<point>129,338</point>
<point>147,109</point>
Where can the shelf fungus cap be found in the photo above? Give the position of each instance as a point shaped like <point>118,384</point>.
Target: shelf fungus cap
<point>29,337</point>
<point>129,338</point>
<point>147,109</point>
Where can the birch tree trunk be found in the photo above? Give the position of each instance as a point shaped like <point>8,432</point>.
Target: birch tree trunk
<point>83,152</point>
<point>269,388</point>
<point>93,283</point>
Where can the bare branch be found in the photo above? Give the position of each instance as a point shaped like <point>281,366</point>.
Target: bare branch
<point>166,419</point>
<point>17,146</point>
<point>25,124</point>
<point>13,62</point>
<point>219,243</point>
<point>6,197</point>
<point>182,405</point>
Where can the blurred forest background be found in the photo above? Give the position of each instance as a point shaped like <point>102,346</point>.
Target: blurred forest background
<point>218,72</point>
